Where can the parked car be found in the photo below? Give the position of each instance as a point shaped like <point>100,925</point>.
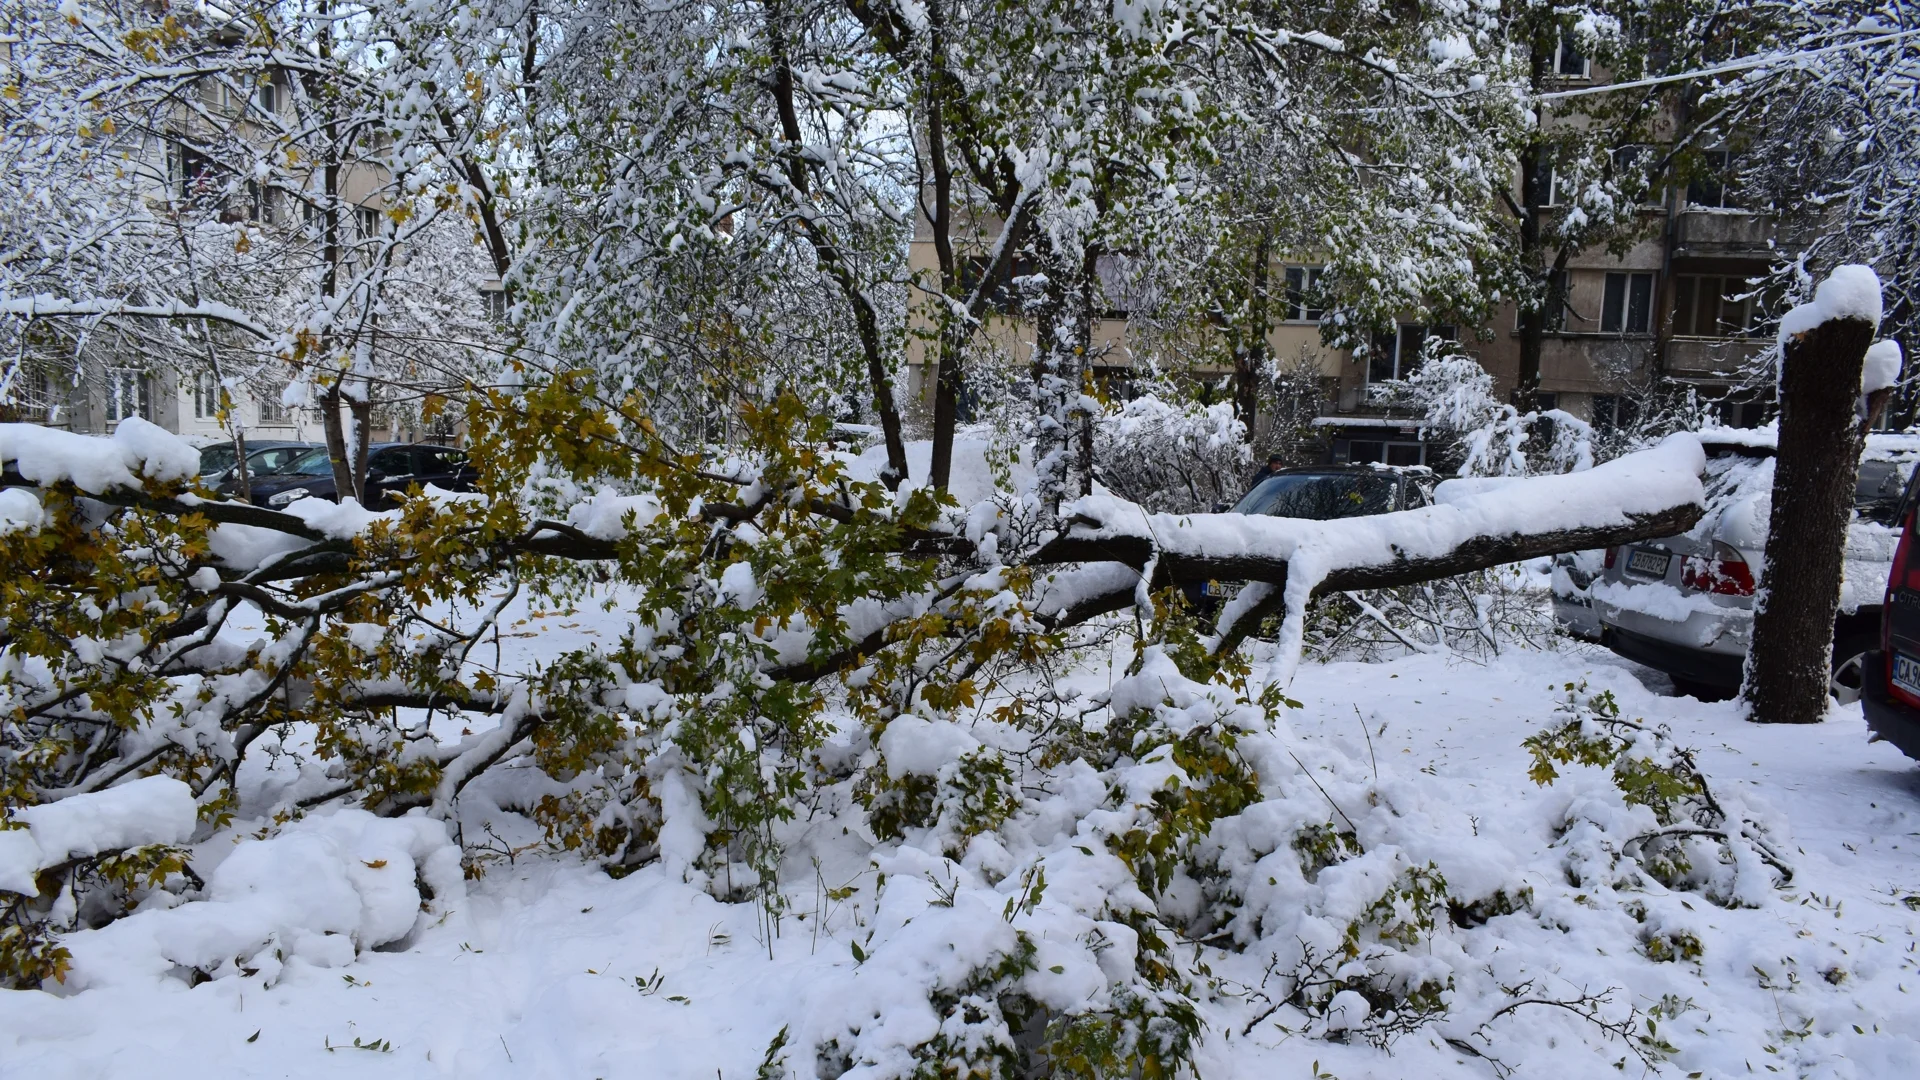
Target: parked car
<point>1573,575</point>
<point>1890,673</point>
<point>1323,493</point>
<point>1684,604</point>
<point>263,458</point>
<point>217,461</point>
<point>392,468</point>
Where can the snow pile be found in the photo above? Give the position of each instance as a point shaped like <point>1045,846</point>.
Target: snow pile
<point>1882,367</point>
<point>1850,292</point>
<point>19,512</point>
<point>320,892</point>
<point>150,810</point>
<point>137,449</point>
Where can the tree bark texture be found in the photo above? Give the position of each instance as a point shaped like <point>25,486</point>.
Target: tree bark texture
<point>1815,469</point>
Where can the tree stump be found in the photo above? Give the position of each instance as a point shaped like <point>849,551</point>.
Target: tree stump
<point>1815,469</point>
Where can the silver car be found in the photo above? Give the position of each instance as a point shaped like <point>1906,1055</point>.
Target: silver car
<point>1684,604</point>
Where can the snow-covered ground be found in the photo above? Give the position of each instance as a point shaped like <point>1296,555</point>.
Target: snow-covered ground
<point>545,969</point>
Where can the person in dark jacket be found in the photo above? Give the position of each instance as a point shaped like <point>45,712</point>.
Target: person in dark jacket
<point>1274,464</point>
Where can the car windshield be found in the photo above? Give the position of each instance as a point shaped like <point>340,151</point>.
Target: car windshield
<point>1321,496</point>
<point>312,463</point>
<point>215,459</point>
<point>273,460</point>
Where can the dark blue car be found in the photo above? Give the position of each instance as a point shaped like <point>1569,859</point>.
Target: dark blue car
<point>392,469</point>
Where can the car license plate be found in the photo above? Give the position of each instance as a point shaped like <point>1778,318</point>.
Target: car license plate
<point>1651,564</point>
<point>1224,590</point>
<point>1906,674</point>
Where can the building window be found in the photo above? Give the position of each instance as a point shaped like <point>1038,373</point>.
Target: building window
<point>268,98</point>
<point>272,409</point>
<point>1568,63</point>
<point>1633,166</point>
<point>1396,355</point>
<point>1628,305</point>
<point>1710,190</point>
<point>127,394</point>
<point>259,203</point>
<point>1123,285</point>
<point>1708,306</point>
<point>35,398</point>
<point>1303,294</point>
<point>493,302</point>
<point>1555,187</point>
<point>1613,412</point>
<point>1559,301</point>
<point>206,397</point>
<point>1742,413</point>
<point>368,218</point>
<point>1385,452</point>
<point>1001,295</point>
<point>191,173</point>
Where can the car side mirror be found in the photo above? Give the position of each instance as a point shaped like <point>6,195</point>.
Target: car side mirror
<point>1222,507</point>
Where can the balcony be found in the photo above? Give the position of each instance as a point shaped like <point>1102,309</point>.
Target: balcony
<point>1726,234</point>
<point>1712,358</point>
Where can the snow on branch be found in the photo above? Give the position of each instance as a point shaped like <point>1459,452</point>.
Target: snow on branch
<point>151,810</point>
<point>138,449</point>
<point>1656,492</point>
<point>53,307</point>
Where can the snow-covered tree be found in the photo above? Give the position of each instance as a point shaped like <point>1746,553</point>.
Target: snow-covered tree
<point>288,194</point>
<point>1830,145</point>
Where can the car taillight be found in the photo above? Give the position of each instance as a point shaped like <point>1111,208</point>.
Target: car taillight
<point>1611,556</point>
<point>1727,573</point>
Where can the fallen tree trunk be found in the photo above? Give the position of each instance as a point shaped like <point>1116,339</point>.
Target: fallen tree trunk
<point>1653,493</point>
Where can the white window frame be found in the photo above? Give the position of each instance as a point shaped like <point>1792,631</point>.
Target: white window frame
<point>1723,180</point>
<point>1400,333</point>
<point>1560,51</point>
<point>1640,155</point>
<point>1627,279</point>
<point>122,383</point>
<point>1301,280</point>
<point>206,397</point>
<point>271,410</point>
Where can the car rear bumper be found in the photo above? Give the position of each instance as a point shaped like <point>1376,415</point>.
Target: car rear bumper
<point>1889,720</point>
<point>1717,669</point>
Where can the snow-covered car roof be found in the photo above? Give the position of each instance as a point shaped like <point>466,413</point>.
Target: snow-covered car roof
<point>1762,441</point>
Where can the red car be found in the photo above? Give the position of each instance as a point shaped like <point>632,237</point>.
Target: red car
<point>1890,683</point>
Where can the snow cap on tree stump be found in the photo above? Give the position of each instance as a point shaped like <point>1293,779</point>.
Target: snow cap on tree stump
<point>1850,292</point>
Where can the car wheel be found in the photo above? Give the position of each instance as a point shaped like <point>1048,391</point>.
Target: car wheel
<point>1849,667</point>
